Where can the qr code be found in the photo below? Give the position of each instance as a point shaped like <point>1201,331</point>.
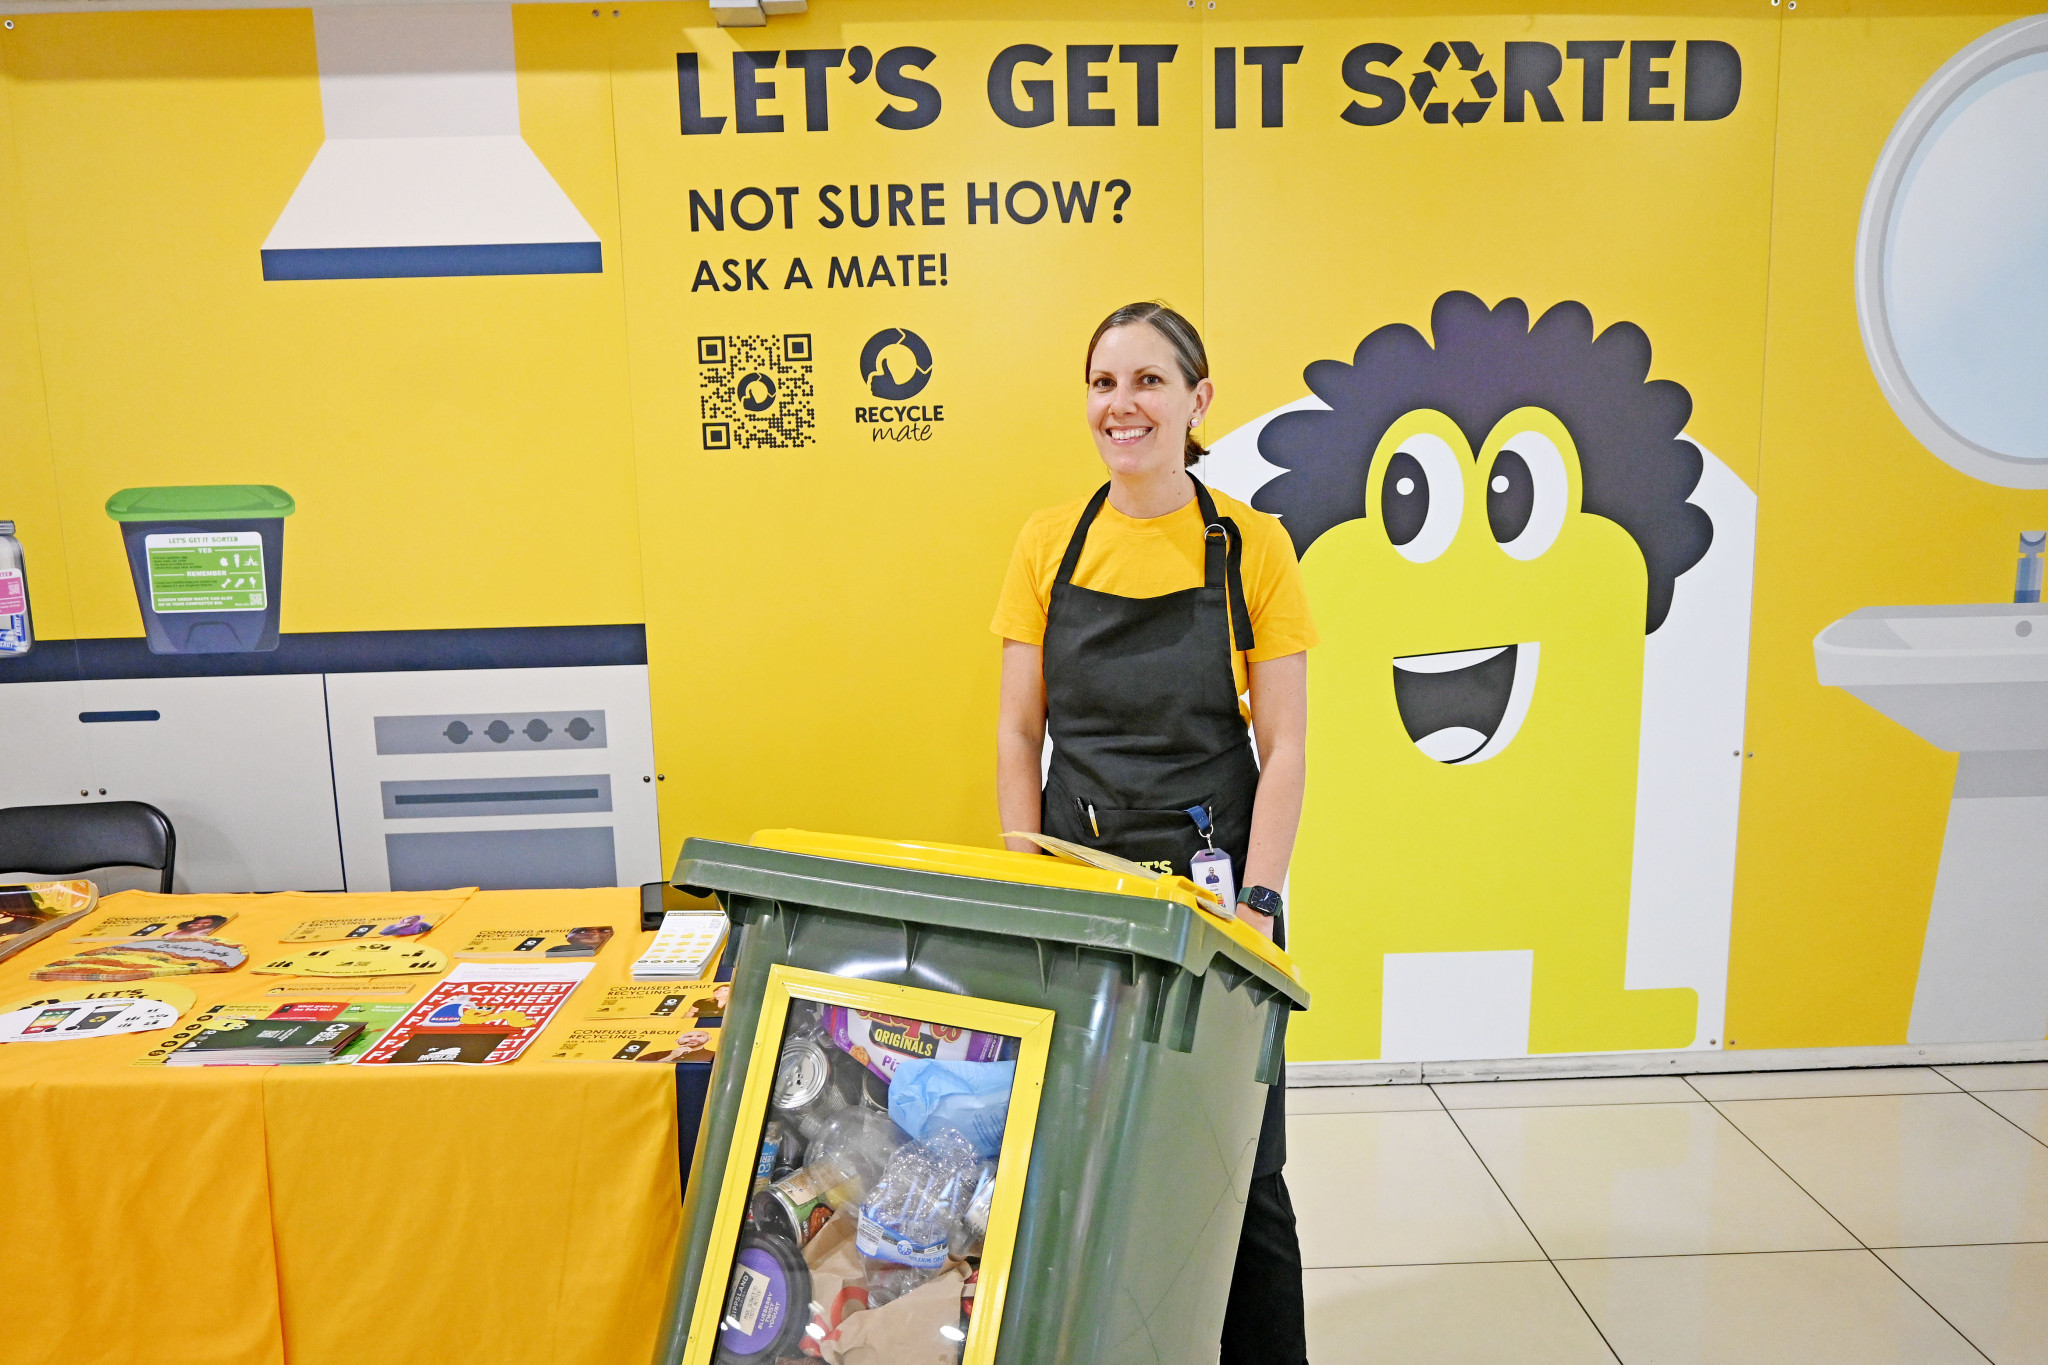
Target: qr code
<point>756,392</point>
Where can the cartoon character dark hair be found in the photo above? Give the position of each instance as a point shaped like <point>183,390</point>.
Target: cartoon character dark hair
<point>1635,469</point>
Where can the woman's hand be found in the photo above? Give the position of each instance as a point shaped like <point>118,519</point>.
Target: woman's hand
<point>1020,741</point>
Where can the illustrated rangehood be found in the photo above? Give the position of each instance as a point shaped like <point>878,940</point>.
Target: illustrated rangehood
<point>424,171</point>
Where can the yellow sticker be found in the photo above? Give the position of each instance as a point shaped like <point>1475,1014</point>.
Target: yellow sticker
<point>178,997</point>
<point>357,959</point>
<point>372,927</point>
<point>646,1042</point>
<point>348,985</point>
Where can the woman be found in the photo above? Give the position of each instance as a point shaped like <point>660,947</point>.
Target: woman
<point>1135,625</point>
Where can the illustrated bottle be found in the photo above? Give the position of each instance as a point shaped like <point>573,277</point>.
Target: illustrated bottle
<point>16,637</point>
<point>2026,585</point>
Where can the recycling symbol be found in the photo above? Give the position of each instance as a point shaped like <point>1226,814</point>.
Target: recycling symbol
<point>1424,85</point>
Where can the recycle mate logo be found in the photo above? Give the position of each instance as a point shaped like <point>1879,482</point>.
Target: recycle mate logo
<point>888,351</point>
<point>1424,84</point>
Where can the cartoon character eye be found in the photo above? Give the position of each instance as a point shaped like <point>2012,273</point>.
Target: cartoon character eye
<point>1525,494</point>
<point>1422,497</point>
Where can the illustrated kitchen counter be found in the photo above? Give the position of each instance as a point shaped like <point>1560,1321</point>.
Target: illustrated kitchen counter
<point>251,1215</point>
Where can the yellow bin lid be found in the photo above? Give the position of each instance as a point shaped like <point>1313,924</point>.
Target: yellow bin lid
<point>1030,869</point>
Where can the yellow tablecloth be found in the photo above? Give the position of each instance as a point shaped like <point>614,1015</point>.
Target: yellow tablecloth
<point>335,1215</point>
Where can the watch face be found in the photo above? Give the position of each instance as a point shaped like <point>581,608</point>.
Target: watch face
<point>1261,899</point>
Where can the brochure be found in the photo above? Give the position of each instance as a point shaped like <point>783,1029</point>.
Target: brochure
<point>142,959</point>
<point>340,930</point>
<point>481,1013</point>
<point>525,945</point>
<point>159,926</point>
<point>267,1042</point>
<point>71,1020</point>
<point>683,947</point>
<point>702,1004</point>
<point>644,1042</point>
<point>31,911</point>
<point>368,957</point>
<point>376,1020</point>
<point>178,997</point>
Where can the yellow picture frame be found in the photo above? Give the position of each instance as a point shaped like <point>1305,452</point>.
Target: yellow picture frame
<point>1032,1027</point>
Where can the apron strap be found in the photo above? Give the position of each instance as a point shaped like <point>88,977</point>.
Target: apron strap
<point>1080,537</point>
<point>1223,560</point>
<point>1222,552</point>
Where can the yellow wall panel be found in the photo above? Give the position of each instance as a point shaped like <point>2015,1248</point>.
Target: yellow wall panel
<point>1844,811</point>
<point>28,478</point>
<point>459,448</point>
<point>818,615</point>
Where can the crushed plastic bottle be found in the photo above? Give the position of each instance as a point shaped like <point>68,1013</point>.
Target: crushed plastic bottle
<point>916,1212</point>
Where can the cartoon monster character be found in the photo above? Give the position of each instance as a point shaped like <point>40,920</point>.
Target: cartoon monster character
<point>1489,527</point>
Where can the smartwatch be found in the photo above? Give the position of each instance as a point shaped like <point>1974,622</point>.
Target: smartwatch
<point>1262,900</point>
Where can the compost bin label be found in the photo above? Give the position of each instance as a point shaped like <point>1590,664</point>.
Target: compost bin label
<point>206,571</point>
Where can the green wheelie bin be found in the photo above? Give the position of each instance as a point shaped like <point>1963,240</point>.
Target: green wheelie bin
<point>971,1106</point>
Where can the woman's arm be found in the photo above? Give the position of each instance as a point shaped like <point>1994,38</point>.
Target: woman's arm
<point>1020,741</point>
<point>1279,695</point>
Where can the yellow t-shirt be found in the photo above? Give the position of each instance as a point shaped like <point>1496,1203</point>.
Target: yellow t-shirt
<point>1154,556</point>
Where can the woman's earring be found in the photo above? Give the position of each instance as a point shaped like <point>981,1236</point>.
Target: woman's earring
<point>1194,421</point>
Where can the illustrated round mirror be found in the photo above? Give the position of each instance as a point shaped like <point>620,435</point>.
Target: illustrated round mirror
<point>1952,260</point>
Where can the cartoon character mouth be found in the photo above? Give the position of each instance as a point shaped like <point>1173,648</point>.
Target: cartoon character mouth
<point>1466,705</point>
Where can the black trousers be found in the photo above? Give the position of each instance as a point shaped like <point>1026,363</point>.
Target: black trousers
<point>1264,1323</point>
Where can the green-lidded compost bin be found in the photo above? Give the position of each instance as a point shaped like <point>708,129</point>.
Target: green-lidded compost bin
<point>1099,1228</point>
<point>208,564</point>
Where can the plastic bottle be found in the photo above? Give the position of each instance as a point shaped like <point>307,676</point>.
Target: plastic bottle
<point>15,634</point>
<point>967,1238</point>
<point>846,1158</point>
<point>916,1212</point>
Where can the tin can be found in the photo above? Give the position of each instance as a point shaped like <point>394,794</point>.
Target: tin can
<point>803,1077</point>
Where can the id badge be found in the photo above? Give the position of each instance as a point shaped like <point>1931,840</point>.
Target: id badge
<point>1210,870</point>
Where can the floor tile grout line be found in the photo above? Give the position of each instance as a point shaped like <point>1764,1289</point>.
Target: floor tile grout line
<point>1548,1260</point>
<point>2002,1114</point>
<point>1781,1251</point>
<point>1437,1265</point>
<point>1868,1250</point>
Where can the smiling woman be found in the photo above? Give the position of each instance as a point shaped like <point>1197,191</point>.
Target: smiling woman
<point>1143,627</point>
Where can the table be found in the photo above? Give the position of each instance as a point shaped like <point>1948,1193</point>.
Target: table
<point>336,1215</point>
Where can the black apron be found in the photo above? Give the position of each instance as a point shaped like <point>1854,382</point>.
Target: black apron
<point>1141,704</point>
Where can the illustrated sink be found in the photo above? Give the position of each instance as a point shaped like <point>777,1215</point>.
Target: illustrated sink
<point>1972,680</point>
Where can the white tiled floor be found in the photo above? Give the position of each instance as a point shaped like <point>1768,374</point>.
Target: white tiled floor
<point>1863,1217</point>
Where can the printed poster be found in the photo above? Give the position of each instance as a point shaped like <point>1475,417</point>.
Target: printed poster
<point>482,1014</point>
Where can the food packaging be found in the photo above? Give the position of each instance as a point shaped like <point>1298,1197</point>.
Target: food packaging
<point>880,1042</point>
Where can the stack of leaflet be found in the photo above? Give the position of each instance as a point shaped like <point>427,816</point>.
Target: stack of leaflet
<point>267,1042</point>
<point>35,910</point>
<point>683,947</point>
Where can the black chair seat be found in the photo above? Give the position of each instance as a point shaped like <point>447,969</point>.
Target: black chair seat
<point>63,840</point>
